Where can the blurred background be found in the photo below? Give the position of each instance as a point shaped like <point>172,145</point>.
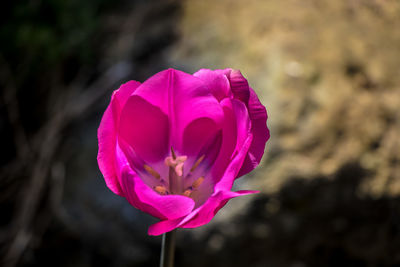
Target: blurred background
<point>327,71</point>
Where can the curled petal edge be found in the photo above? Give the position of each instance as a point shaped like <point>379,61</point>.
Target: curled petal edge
<point>238,87</point>
<point>107,136</point>
<point>259,129</point>
<point>195,219</point>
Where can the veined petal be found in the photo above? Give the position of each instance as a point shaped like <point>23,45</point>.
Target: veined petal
<point>107,134</point>
<point>235,132</point>
<point>225,72</point>
<point>259,129</point>
<point>239,86</point>
<point>184,98</point>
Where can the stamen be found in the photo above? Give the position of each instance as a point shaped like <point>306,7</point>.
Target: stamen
<point>161,189</point>
<point>198,182</point>
<point>151,171</point>
<point>187,192</point>
<point>196,164</point>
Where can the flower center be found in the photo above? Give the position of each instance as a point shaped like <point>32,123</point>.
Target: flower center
<point>175,183</point>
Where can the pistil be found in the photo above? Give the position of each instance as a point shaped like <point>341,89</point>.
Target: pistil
<point>175,164</point>
<point>176,183</point>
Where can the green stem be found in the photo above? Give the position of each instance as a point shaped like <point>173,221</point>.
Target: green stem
<point>168,249</point>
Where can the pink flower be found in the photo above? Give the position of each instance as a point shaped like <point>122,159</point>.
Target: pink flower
<point>173,145</point>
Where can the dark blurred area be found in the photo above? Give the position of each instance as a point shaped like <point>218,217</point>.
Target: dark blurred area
<point>327,71</point>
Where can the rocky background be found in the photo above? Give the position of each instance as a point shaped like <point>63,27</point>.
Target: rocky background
<point>327,71</point>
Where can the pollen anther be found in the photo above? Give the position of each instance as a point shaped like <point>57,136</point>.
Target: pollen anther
<point>187,192</point>
<point>161,189</point>
<point>196,164</point>
<point>151,171</point>
<point>198,182</point>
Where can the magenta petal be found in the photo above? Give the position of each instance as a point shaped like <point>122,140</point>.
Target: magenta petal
<point>196,135</point>
<point>226,72</point>
<point>107,135</point>
<point>184,98</point>
<point>200,216</point>
<point>164,226</point>
<point>226,182</point>
<point>146,199</point>
<point>229,133</point>
<point>127,184</point>
<point>235,133</point>
<point>256,111</point>
<point>217,82</point>
<point>224,83</point>
<point>257,114</point>
<point>259,129</point>
<point>239,86</point>
<point>243,123</point>
<point>207,211</point>
<point>145,128</point>
<point>125,90</point>
<point>106,156</point>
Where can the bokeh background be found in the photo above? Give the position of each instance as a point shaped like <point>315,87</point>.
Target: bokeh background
<point>327,71</point>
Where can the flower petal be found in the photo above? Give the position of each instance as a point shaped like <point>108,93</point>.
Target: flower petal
<point>196,135</point>
<point>226,182</point>
<point>241,91</point>
<point>207,211</point>
<point>217,83</point>
<point>145,128</point>
<point>236,140</point>
<point>164,226</point>
<point>107,135</point>
<point>239,86</point>
<point>184,98</point>
<point>235,132</point>
<point>125,90</point>
<point>258,116</point>
<point>200,216</point>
